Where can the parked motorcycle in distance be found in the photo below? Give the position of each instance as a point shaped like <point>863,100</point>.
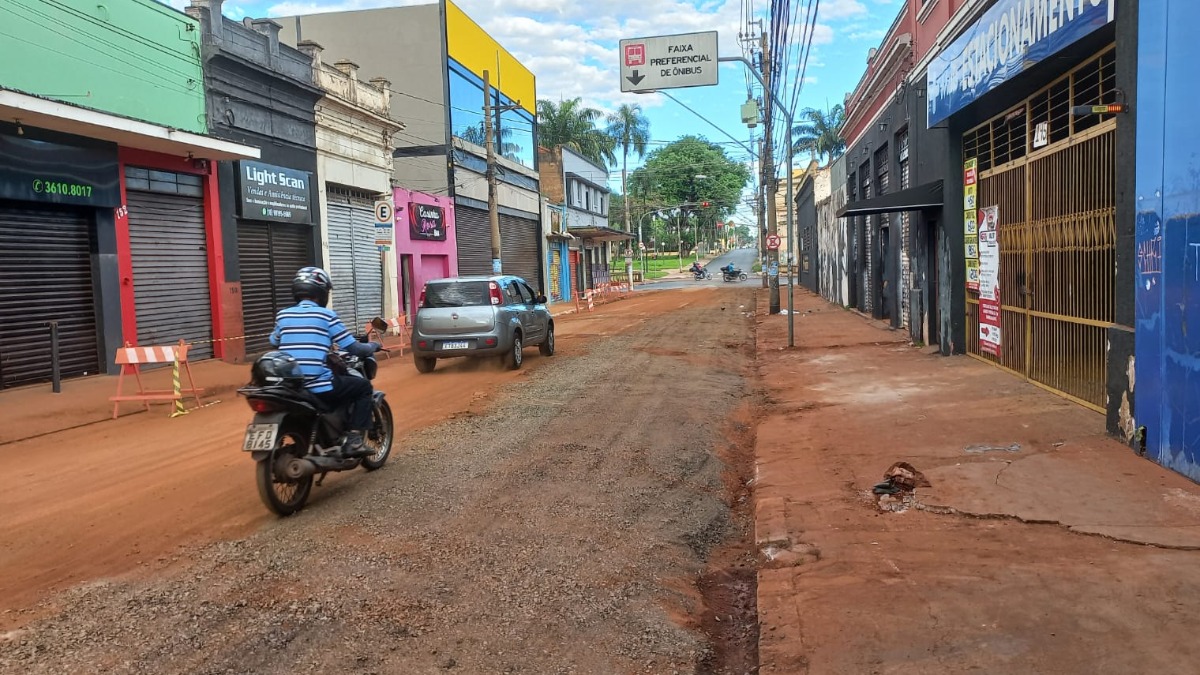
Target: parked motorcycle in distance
<point>734,275</point>
<point>294,436</point>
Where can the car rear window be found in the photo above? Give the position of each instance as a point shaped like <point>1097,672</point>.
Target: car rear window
<point>457,294</point>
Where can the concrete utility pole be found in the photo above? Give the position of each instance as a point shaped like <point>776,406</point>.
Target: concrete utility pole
<point>770,185</point>
<point>490,143</point>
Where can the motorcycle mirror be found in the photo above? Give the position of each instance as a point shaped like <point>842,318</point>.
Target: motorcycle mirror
<point>379,324</point>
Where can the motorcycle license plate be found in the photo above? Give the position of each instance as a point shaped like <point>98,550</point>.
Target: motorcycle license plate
<point>455,345</point>
<point>260,437</point>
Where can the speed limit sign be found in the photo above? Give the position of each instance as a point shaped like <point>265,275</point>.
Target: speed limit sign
<point>773,242</point>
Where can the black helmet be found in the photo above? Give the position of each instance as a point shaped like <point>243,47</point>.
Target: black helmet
<point>274,368</point>
<point>312,283</point>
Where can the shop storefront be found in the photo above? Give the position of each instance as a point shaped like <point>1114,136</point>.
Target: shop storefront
<point>427,244</point>
<point>58,195</point>
<point>1036,183</point>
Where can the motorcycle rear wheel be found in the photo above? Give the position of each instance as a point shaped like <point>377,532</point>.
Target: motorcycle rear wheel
<point>380,437</point>
<point>281,495</point>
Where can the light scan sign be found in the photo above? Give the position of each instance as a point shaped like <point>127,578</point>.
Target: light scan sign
<point>669,62</point>
<point>1007,39</point>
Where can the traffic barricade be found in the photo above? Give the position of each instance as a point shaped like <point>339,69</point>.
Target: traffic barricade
<point>131,359</point>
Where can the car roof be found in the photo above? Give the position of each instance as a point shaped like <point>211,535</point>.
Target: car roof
<point>500,277</point>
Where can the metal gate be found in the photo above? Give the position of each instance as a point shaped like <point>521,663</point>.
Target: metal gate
<point>354,262</point>
<point>46,275</point>
<point>269,255</point>
<point>168,246</point>
<point>519,248</point>
<point>1057,205</point>
<point>473,234</point>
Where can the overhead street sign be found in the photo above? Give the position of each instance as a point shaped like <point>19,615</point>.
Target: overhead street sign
<point>669,62</point>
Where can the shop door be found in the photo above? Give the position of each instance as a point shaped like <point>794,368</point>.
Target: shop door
<point>555,280</point>
<point>354,260</point>
<point>1057,254</point>
<point>269,256</point>
<point>519,249</point>
<point>474,240</point>
<point>46,275</point>
<point>169,249</point>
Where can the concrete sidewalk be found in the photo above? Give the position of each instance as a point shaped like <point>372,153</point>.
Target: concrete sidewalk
<point>1041,546</point>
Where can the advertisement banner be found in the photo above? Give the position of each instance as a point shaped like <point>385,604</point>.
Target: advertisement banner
<point>989,281</point>
<point>1008,39</point>
<point>276,193</point>
<point>426,222</point>
<point>970,222</point>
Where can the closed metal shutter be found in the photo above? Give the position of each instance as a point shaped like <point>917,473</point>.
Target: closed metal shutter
<point>170,270</point>
<point>519,249</point>
<point>46,275</point>
<point>354,259</point>
<point>269,255</point>
<point>474,236</point>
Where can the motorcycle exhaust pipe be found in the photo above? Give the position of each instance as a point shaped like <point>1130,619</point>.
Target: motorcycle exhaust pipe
<point>298,467</point>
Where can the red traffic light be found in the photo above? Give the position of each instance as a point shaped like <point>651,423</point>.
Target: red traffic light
<point>704,204</point>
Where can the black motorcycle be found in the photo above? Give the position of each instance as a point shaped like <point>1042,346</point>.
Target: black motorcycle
<point>733,275</point>
<point>294,436</point>
<point>701,274</point>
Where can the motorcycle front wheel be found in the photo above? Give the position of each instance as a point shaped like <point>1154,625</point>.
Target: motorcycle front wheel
<point>379,438</point>
<point>282,495</point>
<point>742,277</point>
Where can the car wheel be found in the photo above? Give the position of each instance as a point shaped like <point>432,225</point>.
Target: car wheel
<point>516,355</point>
<point>424,364</point>
<point>547,346</point>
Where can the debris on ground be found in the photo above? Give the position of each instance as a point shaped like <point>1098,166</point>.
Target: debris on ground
<point>980,449</point>
<point>901,477</point>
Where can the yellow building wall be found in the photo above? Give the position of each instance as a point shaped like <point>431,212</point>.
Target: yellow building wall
<point>476,51</point>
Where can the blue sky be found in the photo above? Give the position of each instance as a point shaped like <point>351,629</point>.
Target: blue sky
<point>571,46</point>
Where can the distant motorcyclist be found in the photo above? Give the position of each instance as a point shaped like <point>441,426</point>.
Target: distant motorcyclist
<point>697,269</point>
<point>307,331</point>
<point>729,269</point>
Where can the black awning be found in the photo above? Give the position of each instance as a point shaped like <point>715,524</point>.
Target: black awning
<point>925,196</point>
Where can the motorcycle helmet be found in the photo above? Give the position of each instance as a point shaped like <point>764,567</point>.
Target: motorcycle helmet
<point>312,283</point>
<point>276,367</point>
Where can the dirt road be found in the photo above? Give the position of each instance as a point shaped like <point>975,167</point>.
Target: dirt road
<point>563,519</point>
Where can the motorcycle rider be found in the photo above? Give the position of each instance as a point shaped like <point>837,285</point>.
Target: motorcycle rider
<point>307,331</point>
<point>696,269</point>
<point>729,269</point>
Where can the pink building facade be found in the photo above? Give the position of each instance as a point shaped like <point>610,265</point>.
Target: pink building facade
<point>426,245</point>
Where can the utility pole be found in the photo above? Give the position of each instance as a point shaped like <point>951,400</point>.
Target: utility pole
<point>490,173</point>
<point>770,185</point>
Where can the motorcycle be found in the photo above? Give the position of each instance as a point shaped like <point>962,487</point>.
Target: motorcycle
<point>735,275</point>
<point>701,274</point>
<point>294,436</point>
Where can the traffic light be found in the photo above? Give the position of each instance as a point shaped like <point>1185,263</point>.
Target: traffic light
<point>705,205</point>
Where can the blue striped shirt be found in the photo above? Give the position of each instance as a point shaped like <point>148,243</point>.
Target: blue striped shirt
<point>307,331</point>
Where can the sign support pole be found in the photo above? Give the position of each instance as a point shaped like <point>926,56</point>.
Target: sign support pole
<point>789,207</point>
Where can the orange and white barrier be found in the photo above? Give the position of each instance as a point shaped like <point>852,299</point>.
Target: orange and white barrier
<point>397,325</point>
<point>131,359</point>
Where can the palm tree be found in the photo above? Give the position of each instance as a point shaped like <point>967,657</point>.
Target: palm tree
<point>817,132</point>
<point>629,129</point>
<point>476,134</point>
<point>572,124</point>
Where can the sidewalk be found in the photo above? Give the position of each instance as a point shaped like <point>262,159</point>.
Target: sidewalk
<point>1042,546</point>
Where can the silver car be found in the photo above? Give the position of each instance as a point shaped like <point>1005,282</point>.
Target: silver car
<point>478,317</point>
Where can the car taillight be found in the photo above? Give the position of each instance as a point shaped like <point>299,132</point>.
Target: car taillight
<point>259,405</point>
<point>494,293</point>
<point>421,301</point>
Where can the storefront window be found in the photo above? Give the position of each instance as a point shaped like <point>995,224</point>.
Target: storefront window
<point>515,127</point>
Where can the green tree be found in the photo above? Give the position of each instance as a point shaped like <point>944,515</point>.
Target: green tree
<point>476,134</point>
<point>573,125</point>
<point>817,133</point>
<point>630,130</point>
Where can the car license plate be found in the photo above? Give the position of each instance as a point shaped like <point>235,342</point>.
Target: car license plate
<point>260,437</point>
<point>455,345</point>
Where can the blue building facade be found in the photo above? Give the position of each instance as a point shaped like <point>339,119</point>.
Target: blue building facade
<point>1168,235</point>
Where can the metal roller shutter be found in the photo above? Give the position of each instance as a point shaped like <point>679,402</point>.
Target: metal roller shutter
<point>519,248</point>
<point>474,236</point>
<point>354,259</point>
<point>269,255</point>
<point>170,271</point>
<point>46,275</point>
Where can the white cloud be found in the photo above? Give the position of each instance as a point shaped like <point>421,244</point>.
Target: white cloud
<point>840,9</point>
<point>868,35</point>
